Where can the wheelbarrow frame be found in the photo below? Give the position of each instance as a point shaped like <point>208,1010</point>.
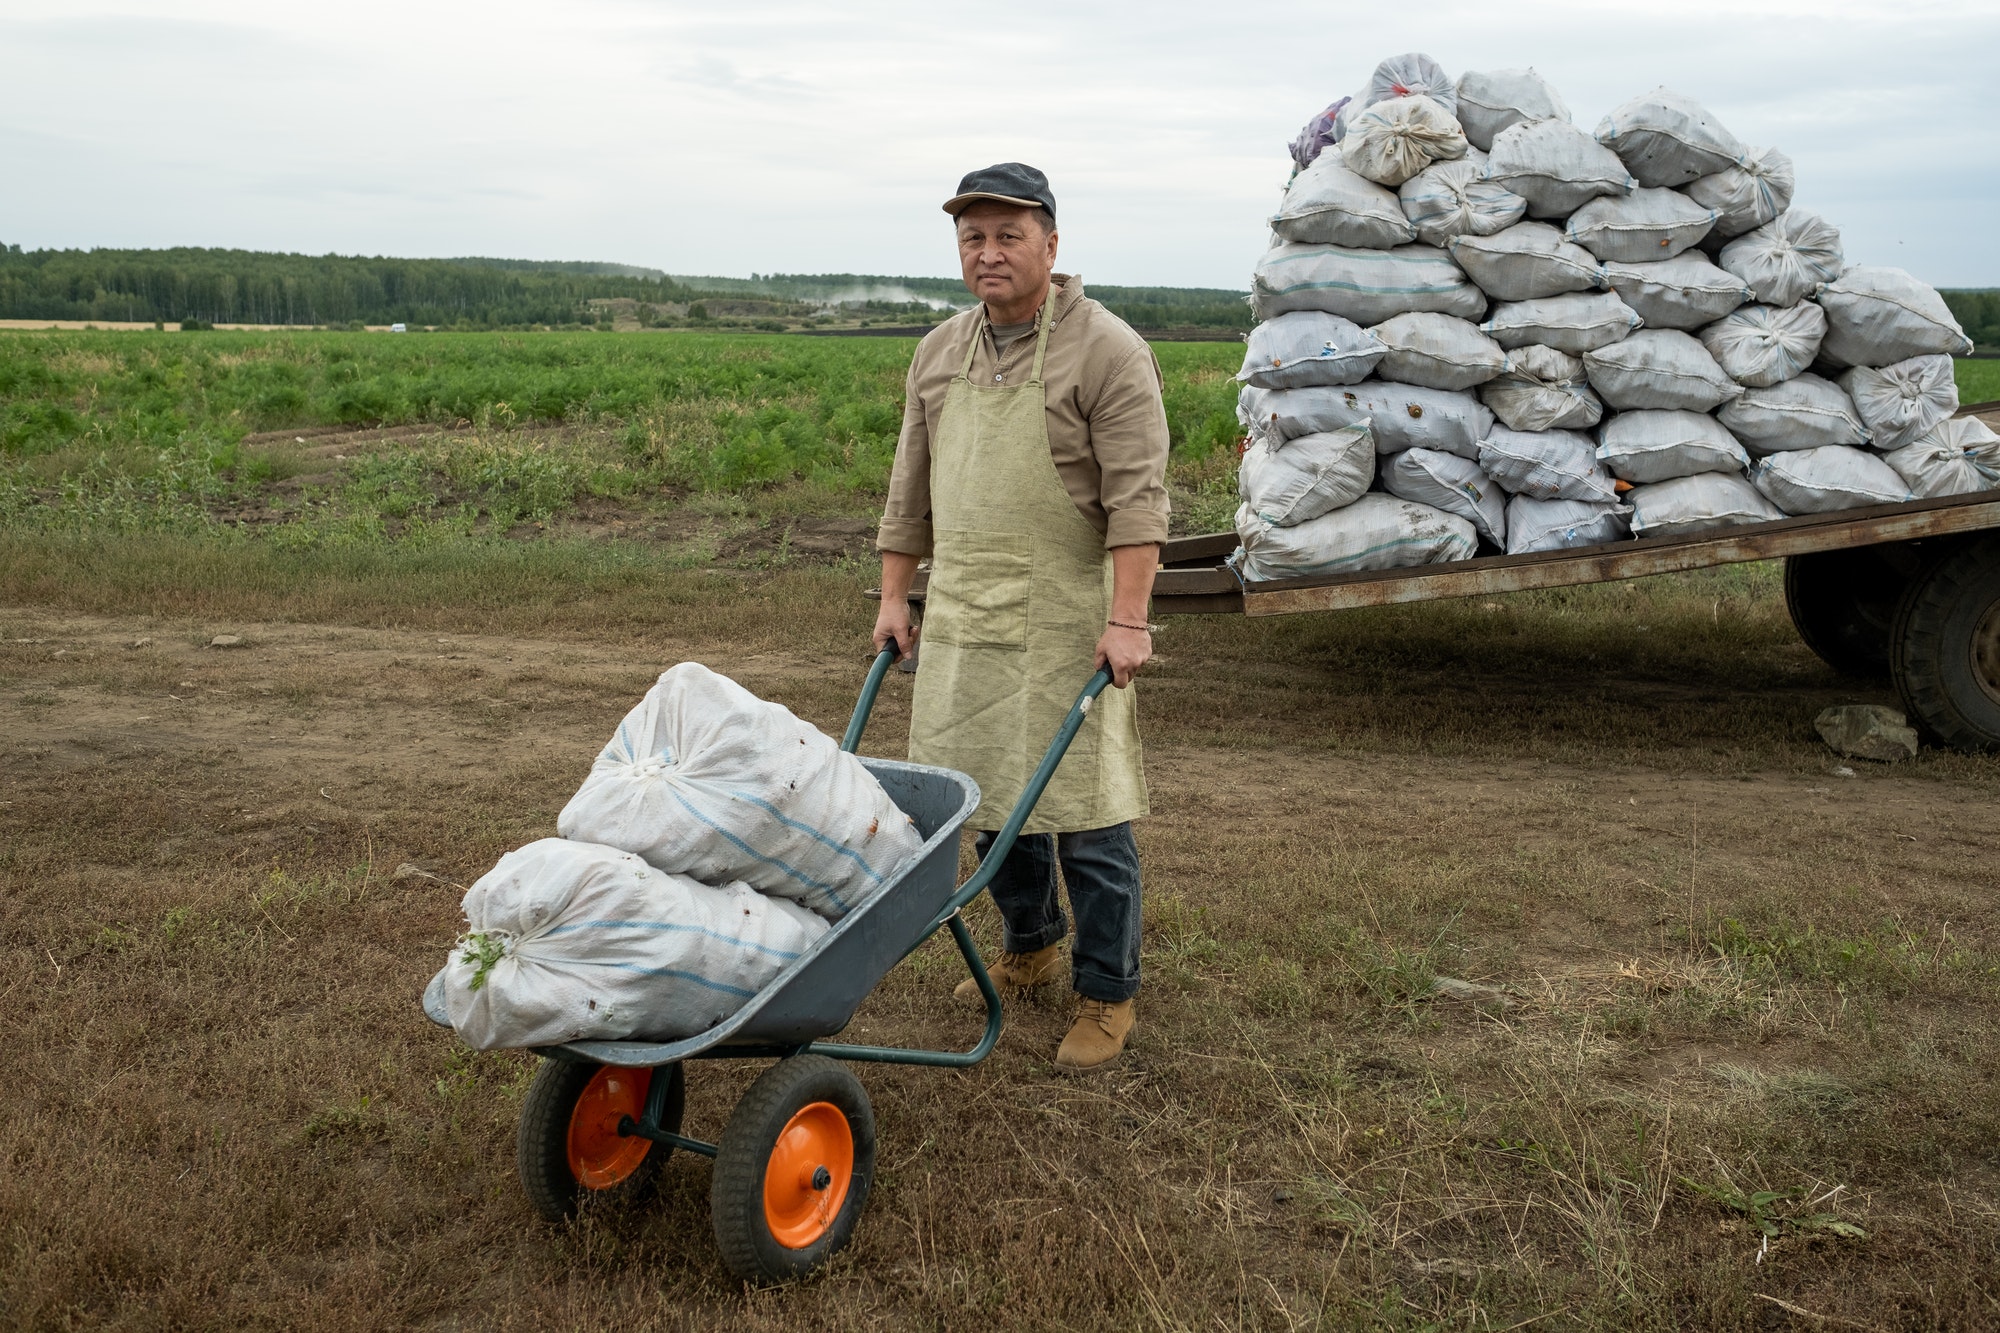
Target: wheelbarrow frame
<point>790,1016</point>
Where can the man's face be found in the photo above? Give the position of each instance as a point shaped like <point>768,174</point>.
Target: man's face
<point>1004,252</point>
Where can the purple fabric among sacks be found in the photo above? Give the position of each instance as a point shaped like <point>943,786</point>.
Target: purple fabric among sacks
<point>1317,135</point>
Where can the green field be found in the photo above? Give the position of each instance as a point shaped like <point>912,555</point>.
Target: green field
<point>135,432</point>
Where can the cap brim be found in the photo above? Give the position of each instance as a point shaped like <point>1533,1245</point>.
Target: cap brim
<point>958,203</point>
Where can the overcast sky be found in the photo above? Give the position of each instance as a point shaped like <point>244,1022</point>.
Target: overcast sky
<point>732,136</point>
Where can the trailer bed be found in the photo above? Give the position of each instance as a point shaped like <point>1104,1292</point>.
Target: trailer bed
<point>1195,581</point>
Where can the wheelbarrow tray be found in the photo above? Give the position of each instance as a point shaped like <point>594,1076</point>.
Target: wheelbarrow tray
<point>819,991</point>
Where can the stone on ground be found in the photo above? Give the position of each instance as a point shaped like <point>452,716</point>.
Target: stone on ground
<point>1867,731</point>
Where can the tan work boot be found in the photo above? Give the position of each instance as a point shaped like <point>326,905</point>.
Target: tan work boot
<point>1098,1035</point>
<point>1015,972</point>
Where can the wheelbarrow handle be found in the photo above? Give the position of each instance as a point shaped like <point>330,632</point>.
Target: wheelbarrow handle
<point>869,689</point>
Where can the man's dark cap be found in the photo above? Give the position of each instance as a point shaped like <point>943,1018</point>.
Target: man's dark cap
<point>1005,183</point>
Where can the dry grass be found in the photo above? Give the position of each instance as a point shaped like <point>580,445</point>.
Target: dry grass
<point>1736,1068</point>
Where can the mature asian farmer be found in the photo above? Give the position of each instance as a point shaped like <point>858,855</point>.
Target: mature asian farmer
<point>1032,472</point>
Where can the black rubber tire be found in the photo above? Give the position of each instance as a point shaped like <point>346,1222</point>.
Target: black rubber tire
<point>736,1190</point>
<point>1945,653</point>
<point>541,1141</point>
<point>1844,602</point>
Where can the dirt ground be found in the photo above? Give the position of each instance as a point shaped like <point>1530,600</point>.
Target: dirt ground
<point>1735,1067</point>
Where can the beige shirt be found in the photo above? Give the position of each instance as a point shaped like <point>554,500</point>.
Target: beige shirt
<point>1107,424</point>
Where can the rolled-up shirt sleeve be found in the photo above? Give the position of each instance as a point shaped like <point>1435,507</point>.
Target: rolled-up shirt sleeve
<point>906,518</point>
<point>1128,435</point>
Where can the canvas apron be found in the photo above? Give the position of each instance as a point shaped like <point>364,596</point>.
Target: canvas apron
<point>1019,593</point>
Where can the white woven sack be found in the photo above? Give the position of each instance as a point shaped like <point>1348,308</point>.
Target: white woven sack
<point>1577,323</point>
<point>1557,525</point>
<point>1879,316</point>
<point>1412,74</point>
<point>1375,532</point>
<point>703,778</point>
<point>1542,389</point>
<point>1453,484</point>
<point>1303,478</point>
<point>1438,352</point>
<point>1804,412</point>
<point>1640,228</point>
<point>1685,292</point>
<point>1366,286</point>
<point>1492,100</point>
<point>1448,199</point>
<point>1659,370</point>
<point>573,941</point>
<point>1402,416</point>
<point>1646,447</point>
<point>1329,204</point>
<point>1749,194</point>
<point>1955,457</point>
<point>1393,140</point>
<point>1786,258</point>
<point>1546,464</point>
<point>1309,347</point>
<point>1762,345</point>
<point>1555,166</point>
<point>1683,506</point>
<point>1901,402</point>
<point>1820,481</point>
<point>1665,138</point>
<point>1526,262</point>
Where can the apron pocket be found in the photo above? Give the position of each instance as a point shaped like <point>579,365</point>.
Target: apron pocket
<point>978,591</point>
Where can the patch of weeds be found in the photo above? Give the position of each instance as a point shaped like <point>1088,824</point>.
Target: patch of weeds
<point>359,1119</point>
<point>1775,1213</point>
<point>466,1070</point>
<point>1886,957</point>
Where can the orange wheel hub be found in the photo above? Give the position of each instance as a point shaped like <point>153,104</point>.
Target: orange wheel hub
<point>808,1174</point>
<point>599,1156</point>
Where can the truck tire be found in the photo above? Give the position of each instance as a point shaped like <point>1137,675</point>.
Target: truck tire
<point>1945,649</point>
<point>1843,604</point>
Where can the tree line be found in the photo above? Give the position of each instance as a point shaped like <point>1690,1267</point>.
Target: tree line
<point>254,287</point>
<point>257,287</point>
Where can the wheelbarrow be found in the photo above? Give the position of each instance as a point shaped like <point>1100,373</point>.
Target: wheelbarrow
<point>794,1163</point>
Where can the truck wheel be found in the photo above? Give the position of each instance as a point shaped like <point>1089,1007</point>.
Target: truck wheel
<point>1945,654</point>
<point>568,1146</point>
<point>1844,605</point>
<point>792,1170</point>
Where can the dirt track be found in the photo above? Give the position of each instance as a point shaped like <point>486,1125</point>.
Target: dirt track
<point>214,979</point>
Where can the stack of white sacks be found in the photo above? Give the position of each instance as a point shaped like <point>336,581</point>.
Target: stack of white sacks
<point>715,839</point>
<point>1483,327</point>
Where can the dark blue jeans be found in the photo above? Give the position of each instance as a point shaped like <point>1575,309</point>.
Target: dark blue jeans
<point>1101,868</point>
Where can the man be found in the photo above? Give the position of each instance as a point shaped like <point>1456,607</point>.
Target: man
<point>1032,471</point>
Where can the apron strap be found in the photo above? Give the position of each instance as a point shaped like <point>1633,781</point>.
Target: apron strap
<point>972,348</point>
<point>1042,335</point>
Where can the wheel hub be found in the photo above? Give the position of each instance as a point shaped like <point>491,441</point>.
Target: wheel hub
<point>599,1155</point>
<point>1986,652</point>
<point>808,1175</point>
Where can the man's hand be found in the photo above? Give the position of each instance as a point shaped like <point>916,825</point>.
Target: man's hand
<point>1125,651</point>
<point>892,621</point>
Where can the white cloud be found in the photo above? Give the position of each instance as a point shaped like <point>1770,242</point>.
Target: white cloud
<point>764,135</point>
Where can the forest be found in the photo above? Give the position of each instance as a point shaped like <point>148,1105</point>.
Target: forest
<point>256,287</point>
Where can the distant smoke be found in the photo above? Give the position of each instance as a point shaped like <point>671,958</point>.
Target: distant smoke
<point>884,292</point>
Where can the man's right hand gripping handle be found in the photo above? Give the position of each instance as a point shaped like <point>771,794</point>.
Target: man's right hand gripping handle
<point>892,620</point>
